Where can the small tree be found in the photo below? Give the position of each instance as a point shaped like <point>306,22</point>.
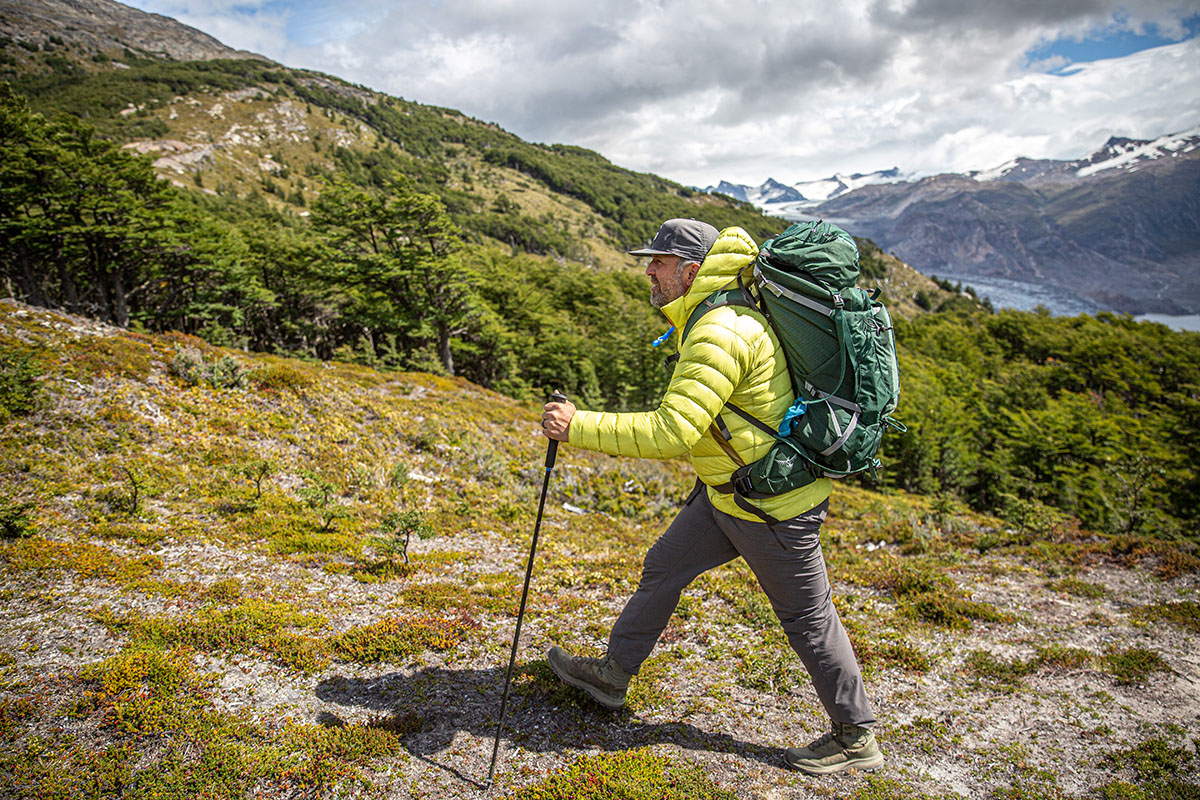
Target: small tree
<point>398,529</point>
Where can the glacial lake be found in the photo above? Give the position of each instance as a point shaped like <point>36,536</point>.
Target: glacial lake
<point>1022,296</point>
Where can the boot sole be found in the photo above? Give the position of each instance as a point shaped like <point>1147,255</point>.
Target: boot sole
<point>600,697</point>
<point>865,765</point>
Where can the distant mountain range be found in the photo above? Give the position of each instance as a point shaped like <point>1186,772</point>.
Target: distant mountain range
<point>774,196</point>
<point>1120,226</point>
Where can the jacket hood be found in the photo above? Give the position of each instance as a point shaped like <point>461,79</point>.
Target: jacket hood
<point>732,253</point>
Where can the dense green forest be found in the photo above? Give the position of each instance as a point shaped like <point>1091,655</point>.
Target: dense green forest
<point>396,265</point>
<point>1033,417</point>
<point>381,276</point>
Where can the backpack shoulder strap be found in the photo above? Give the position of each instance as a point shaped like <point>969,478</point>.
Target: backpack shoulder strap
<point>730,296</point>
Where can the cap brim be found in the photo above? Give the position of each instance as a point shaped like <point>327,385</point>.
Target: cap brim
<point>648,252</point>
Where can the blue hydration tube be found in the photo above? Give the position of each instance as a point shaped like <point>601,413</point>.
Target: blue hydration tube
<point>663,338</point>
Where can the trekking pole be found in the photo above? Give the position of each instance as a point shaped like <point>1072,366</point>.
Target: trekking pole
<point>551,454</point>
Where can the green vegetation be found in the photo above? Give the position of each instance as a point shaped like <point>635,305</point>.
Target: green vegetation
<point>204,548</point>
<point>20,393</point>
<point>1134,664</point>
<point>1026,416</point>
<point>1185,614</point>
<point>633,775</point>
<point>380,276</point>
<point>169,741</point>
<point>1161,768</point>
<point>264,551</point>
<point>396,640</point>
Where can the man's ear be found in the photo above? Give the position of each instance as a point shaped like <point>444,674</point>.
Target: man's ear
<point>689,274</point>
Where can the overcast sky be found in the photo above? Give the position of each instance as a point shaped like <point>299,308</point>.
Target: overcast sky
<point>709,90</point>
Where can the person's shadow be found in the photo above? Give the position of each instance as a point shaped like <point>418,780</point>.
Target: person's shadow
<point>430,707</point>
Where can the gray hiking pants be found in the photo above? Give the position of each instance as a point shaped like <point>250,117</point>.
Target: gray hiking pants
<point>786,559</point>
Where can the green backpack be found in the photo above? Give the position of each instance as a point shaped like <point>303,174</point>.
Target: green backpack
<point>841,353</point>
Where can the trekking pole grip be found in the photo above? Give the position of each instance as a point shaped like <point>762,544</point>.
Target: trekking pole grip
<point>552,449</point>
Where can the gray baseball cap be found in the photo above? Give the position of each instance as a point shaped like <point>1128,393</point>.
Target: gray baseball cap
<point>686,238</point>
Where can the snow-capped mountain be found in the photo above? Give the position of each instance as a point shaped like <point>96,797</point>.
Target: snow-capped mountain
<point>770,192</point>
<point>778,198</point>
<point>1117,153</point>
<point>795,200</point>
<point>1120,227</point>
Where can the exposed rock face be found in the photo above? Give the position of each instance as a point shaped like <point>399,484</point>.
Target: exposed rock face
<point>104,25</point>
<point>1128,240</point>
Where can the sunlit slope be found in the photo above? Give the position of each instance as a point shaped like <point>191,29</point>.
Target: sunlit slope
<point>207,587</point>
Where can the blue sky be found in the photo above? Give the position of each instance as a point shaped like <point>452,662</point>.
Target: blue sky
<point>1115,40</point>
<point>705,90</point>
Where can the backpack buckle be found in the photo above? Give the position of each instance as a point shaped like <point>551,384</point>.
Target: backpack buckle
<point>838,302</point>
<point>741,483</point>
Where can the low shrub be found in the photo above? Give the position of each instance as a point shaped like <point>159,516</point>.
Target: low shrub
<point>1133,664</point>
<point>1186,614</point>
<point>20,392</point>
<point>395,639</point>
<point>195,369</point>
<point>629,774</point>
<point>281,377</point>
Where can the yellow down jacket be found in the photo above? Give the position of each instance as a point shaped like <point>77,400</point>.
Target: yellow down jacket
<point>731,355</point>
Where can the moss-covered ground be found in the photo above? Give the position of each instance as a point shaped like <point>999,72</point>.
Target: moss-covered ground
<point>230,575</point>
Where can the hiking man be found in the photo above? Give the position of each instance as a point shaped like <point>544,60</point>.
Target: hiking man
<point>731,355</point>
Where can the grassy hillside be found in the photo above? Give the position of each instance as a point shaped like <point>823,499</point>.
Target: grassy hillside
<point>243,127</point>
<point>206,589</point>
<point>502,261</point>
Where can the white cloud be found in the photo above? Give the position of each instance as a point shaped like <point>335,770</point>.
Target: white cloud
<point>702,90</point>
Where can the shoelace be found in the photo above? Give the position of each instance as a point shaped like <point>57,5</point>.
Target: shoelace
<point>822,740</point>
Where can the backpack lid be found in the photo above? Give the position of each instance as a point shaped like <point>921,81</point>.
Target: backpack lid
<point>818,250</point>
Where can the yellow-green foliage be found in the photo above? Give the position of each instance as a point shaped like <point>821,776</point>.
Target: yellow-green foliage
<point>1079,588</point>
<point>88,560</point>
<point>397,639</point>
<point>438,597</point>
<point>282,376</point>
<point>1133,664</point>
<point>876,788</point>
<point>20,392</point>
<point>286,483</point>
<point>13,712</point>
<point>1058,656</point>
<point>1001,673</point>
<point>1186,614</point>
<point>1170,559</point>
<point>125,355</point>
<point>250,627</point>
<point>771,669</point>
<point>1008,674</point>
<point>158,695</point>
<point>654,685</point>
<point>143,691</point>
<point>923,592</point>
<point>881,650</point>
<point>630,775</point>
<point>1161,767</point>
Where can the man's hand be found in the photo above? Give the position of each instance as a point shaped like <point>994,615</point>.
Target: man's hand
<point>556,419</point>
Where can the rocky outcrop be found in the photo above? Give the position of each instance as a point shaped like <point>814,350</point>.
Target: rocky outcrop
<point>105,26</point>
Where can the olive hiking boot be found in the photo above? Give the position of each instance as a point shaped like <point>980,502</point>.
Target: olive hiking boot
<point>602,678</point>
<point>844,747</point>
